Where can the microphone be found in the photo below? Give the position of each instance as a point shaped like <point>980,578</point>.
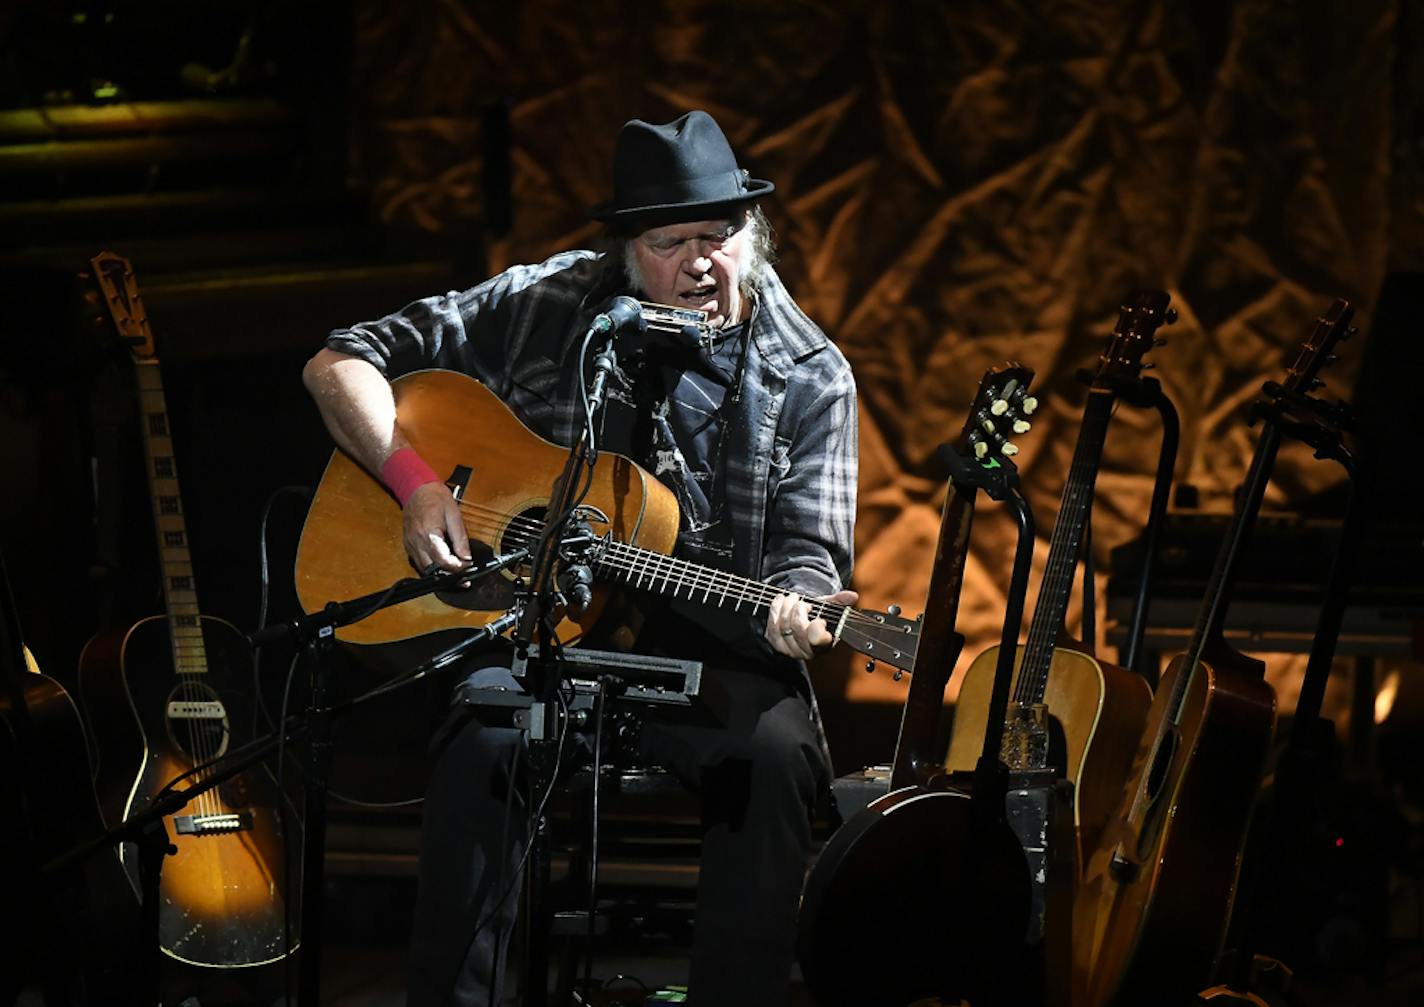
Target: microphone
<point>623,313</point>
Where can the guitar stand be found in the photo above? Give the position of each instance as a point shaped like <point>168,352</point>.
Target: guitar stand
<point>992,967</point>
<point>1320,426</point>
<point>1142,393</point>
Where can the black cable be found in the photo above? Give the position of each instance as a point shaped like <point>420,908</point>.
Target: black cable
<point>593,830</point>
<point>264,583</point>
<point>286,855</point>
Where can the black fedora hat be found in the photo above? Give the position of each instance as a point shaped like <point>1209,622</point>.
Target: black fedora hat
<point>668,171</point>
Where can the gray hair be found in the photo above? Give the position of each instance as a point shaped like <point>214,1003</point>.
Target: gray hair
<point>760,254</point>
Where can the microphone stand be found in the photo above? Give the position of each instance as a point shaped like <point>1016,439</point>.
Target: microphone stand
<point>147,831</point>
<point>542,675</point>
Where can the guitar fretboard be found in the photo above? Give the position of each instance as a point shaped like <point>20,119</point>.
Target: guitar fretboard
<point>652,571</point>
<point>180,592</point>
<point>1063,551</point>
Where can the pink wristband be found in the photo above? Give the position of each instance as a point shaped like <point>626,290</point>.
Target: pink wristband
<point>404,472</point>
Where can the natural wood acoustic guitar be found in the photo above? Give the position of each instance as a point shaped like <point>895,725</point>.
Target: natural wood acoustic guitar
<point>502,476</point>
<point>1150,917</point>
<point>1068,709</point>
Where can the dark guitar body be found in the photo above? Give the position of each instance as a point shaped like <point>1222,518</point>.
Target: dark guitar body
<point>221,893</point>
<point>1159,932</point>
<point>74,933</point>
<point>901,906</point>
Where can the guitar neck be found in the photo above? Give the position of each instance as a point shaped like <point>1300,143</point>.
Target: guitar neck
<point>1066,546</point>
<point>1207,639</point>
<point>652,571</point>
<point>939,648</point>
<point>180,591</point>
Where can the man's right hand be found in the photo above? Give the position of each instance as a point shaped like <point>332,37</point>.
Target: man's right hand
<point>434,529</point>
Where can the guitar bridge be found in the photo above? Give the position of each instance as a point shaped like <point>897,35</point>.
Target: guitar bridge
<point>213,825</point>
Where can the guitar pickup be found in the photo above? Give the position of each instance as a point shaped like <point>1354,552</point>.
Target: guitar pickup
<point>189,709</point>
<point>212,825</point>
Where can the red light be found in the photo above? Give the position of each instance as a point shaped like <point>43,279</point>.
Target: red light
<point>1339,841</point>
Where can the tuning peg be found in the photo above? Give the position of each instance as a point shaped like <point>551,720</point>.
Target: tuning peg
<point>980,450</point>
<point>1010,449</point>
<point>870,665</point>
<point>999,407</point>
<point>1028,405</point>
<point>988,426</point>
<point>1022,426</point>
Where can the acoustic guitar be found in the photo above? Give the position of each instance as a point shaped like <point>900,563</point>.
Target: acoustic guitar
<point>502,476</point>
<point>1070,710</point>
<point>187,680</point>
<point>71,933</point>
<point>1151,913</point>
<point>907,866</point>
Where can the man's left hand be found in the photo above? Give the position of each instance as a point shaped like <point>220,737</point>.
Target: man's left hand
<point>790,629</point>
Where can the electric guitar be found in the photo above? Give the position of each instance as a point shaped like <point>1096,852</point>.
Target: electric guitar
<point>187,679</point>
<point>502,475</point>
<point>1067,708</point>
<point>1151,913</point>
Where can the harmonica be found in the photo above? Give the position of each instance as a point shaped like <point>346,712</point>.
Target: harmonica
<point>676,321</point>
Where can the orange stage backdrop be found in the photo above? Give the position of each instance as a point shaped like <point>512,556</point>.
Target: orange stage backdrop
<point>959,183</point>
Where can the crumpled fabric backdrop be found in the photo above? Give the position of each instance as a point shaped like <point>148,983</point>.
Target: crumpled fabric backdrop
<point>959,183</point>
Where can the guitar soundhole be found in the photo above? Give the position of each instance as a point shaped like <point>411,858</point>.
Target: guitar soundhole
<point>495,593</point>
<point>1161,762</point>
<point>197,720</point>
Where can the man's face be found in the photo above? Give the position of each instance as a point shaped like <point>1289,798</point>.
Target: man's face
<point>695,265</point>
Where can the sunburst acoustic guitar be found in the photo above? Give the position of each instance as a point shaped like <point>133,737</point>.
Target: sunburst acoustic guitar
<point>186,679</point>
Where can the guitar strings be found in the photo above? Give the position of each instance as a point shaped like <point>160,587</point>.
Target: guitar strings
<point>650,566</point>
<point>191,691</point>
<point>1038,647</point>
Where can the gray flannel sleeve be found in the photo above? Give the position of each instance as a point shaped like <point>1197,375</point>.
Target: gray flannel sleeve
<point>430,332</point>
<point>811,515</point>
<point>465,330</point>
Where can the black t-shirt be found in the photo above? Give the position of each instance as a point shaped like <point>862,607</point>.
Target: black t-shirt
<point>665,412</point>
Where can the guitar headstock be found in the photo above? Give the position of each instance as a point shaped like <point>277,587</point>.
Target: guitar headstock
<point>1000,410</point>
<point>1318,352</point>
<point>883,636</point>
<point>1134,336</point>
<point>124,304</point>
<point>1292,406</point>
<point>980,458</point>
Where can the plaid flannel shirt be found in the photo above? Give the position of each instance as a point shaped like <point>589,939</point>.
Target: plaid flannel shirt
<point>792,450</point>
<point>792,458</point>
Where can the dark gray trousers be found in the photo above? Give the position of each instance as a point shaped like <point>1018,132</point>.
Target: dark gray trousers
<point>758,770</point>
